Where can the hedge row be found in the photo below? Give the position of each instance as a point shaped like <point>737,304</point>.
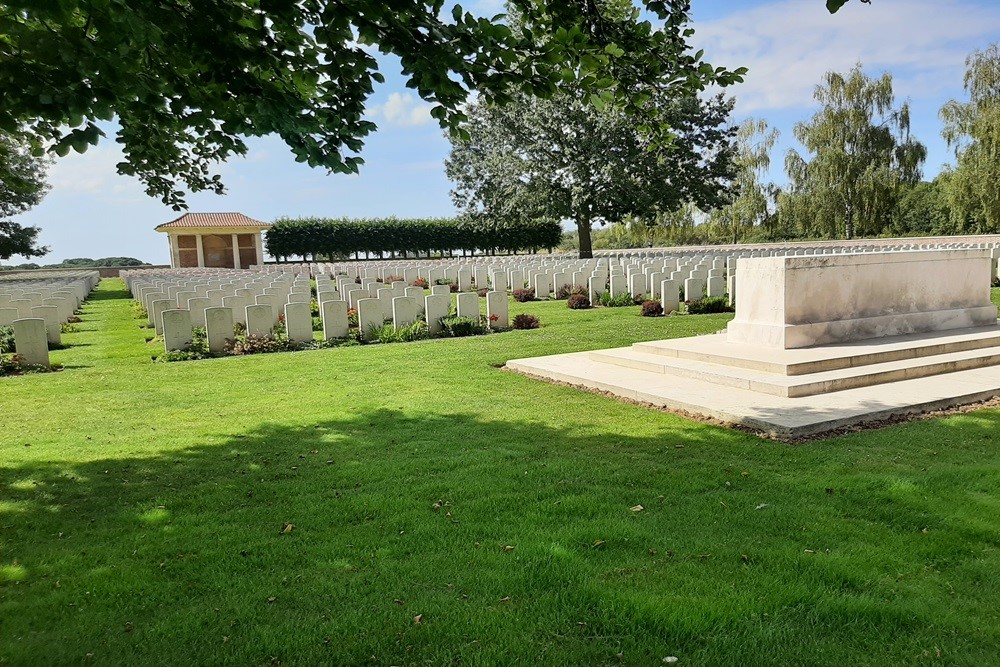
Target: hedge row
<point>344,237</point>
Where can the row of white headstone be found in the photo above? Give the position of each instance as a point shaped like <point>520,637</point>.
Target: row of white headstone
<point>36,309</point>
<point>178,300</point>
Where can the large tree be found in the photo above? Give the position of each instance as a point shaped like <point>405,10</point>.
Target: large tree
<point>22,185</point>
<point>188,81</point>
<point>565,159</point>
<point>754,196</point>
<point>860,156</point>
<point>973,129</point>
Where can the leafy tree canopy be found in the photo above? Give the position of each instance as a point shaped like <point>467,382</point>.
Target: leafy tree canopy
<point>834,5</point>
<point>188,81</point>
<point>22,186</point>
<point>564,159</point>
<point>972,128</point>
<point>860,156</point>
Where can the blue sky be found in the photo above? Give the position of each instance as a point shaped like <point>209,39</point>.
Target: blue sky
<point>787,45</point>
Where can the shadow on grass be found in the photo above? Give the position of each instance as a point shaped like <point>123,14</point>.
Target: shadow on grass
<point>453,538</point>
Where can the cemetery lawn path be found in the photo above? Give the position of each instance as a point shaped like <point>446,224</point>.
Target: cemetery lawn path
<point>413,504</point>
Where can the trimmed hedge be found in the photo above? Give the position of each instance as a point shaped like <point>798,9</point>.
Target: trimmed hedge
<point>343,237</point>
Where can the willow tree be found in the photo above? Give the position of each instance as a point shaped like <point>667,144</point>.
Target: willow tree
<point>860,156</point>
<point>972,129</point>
<point>754,196</point>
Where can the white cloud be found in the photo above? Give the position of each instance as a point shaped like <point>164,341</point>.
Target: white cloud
<point>402,110</point>
<point>91,172</point>
<point>788,45</point>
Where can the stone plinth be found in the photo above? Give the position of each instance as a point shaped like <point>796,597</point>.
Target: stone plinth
<point>795,302</point>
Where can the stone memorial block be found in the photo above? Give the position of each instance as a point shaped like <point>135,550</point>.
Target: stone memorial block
<point>404,311</point>
<point>792,302</point>
<point>409,275</point>
<point>176,329</point>
<point>498,280</point>
<point>8,315</point>
<point>436,306</point>
<point>50,315</point>
<point>441,290</point>
<point>418,294</point>
<point>694,289</point>
<point>516,279</point>
<point>31,341</point>
<point>371,314</point>
<point>731,285</point>
<point>300,297</point>
<point>468,305</point>
<point>579,278</point>
<point>334,316</point>
<point>497,310</point>
<point>327,295</point>
<point>298,322</point>
<point>399,288</point>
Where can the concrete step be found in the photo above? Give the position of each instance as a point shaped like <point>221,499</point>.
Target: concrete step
<point>716,349</point>
<point>778,415</point>
<point>793,386</point>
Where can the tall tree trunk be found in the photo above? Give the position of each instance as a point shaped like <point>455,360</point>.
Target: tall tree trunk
<point>586,245</point>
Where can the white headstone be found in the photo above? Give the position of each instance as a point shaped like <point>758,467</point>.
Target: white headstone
<point>176,329</point>
<point>497,309</point>
<point>30,341</point>
<point>334,314</point>
<point>298,322</point>
<point>468,305</point>
<point>435,307</point>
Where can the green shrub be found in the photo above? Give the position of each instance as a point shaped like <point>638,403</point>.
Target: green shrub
<point>523,295</point>
<point>566,291</point>
<point>6,339</point>
<point>711,304</point>
<point>652,309</point>
<point>525,321</point>
<point>619,300</point>
<point>463,326</point>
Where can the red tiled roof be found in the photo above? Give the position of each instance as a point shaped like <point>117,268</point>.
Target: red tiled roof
<point>212,220</point>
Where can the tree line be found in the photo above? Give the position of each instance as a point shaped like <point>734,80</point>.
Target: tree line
<point>336,238</point>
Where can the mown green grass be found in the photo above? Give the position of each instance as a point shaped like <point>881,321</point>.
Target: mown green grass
<point>142,505</point>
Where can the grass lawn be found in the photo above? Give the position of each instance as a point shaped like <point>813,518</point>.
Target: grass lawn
<point>447,512</point>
